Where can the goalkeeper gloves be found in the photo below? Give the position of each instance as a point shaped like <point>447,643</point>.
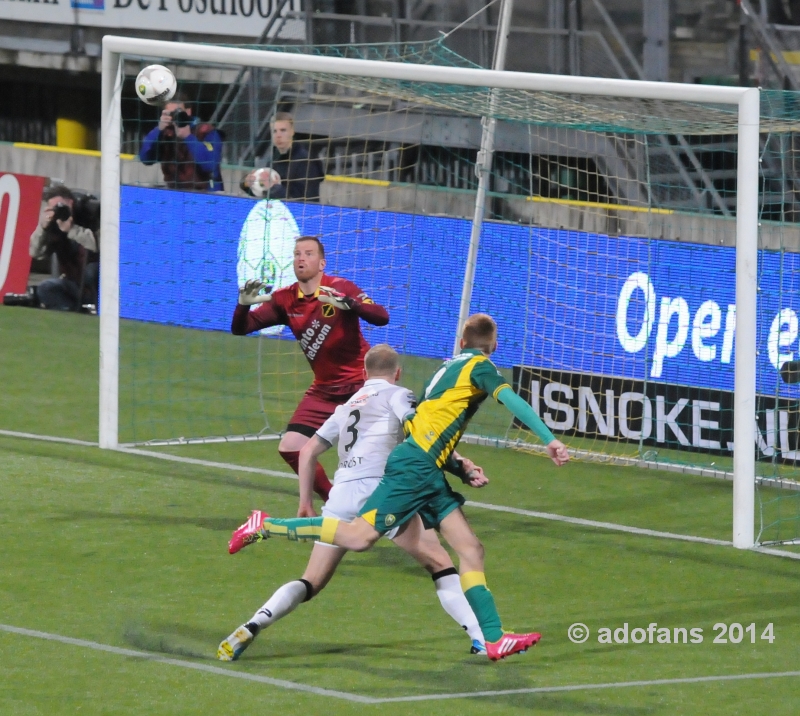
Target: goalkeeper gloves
<point>334,298</point>
<point>249,293</point>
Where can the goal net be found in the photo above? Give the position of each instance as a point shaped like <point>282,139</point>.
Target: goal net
<point>638,252</point>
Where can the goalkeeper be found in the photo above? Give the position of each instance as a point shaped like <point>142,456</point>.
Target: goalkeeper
<point>414,481</point>
<point>323,314</point>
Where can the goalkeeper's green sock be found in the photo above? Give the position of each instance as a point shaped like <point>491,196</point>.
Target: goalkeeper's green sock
<point>482,603</point>
<point>300,528</point>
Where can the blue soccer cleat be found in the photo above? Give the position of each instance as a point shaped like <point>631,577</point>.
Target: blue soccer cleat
<point>478,647</point>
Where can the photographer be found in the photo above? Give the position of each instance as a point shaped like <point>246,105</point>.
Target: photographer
<point>190,152</point>
<point>58,235</point>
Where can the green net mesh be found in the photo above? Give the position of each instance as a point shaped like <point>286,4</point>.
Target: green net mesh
<point>780,110</point>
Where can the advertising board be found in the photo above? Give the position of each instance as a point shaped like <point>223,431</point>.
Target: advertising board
<point>630,315</point>
<point>20,199</point>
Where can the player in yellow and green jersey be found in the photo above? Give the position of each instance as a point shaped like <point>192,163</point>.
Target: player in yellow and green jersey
<point>414,481</point>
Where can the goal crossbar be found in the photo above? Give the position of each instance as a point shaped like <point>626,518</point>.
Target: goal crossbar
<point>380,69</point>
<point>746,100</point>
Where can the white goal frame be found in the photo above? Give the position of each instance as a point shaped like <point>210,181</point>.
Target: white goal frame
<point>747,100</point>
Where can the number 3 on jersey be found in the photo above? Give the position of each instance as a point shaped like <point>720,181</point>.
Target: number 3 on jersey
<point>356,416</point>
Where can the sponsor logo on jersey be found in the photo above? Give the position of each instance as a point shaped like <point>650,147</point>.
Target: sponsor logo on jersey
<point>362,399</point>
<point>390,520</point>
<point>311,340</point>
<point>328,311</point>
<point>317,344</point>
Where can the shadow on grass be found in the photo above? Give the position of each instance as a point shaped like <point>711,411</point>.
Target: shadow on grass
<point>550,703</point>
<point>201,643</point>
<point>168,641</point>
<point>382,661</point>
<point>216,524</point>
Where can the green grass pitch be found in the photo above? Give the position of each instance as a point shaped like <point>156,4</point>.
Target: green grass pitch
<point>129,552</point>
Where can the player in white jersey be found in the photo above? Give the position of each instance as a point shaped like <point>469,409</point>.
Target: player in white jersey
<point>367,428</point>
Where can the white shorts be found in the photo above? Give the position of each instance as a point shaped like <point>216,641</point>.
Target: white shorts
<point>346,499</point>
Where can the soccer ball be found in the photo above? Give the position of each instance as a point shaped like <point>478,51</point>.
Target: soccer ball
<point>263,179</point>
<point>156,85</point>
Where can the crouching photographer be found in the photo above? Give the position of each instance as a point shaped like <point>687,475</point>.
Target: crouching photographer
<point>60,240</point>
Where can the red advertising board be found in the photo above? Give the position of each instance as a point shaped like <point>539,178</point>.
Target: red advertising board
<point>20,201</point>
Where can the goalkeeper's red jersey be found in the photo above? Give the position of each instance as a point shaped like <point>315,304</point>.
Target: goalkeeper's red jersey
<point>330,338</point>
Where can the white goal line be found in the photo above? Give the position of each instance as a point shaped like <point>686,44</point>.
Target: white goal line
<point>478,505</point>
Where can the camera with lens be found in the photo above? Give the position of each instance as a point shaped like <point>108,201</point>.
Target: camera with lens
<point>181,118</point>
<point>29,299</point>
<point>61,212</point>
<point>53,236</point>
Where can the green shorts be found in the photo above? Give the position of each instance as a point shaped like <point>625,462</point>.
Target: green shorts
<point>411,484</point>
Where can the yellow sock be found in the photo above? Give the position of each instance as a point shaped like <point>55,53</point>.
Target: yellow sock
<point>329,525</point>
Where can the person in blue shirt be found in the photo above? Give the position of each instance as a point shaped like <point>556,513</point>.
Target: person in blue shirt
<point>190,152</point>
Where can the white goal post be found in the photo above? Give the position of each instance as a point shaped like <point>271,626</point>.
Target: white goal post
<point>747,100</point>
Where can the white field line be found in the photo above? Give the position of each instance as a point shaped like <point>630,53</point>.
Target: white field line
<point>591,687</point>
<point>480,505</point>
<point>206,463</point>
<point>149,656</point>
<point>203,441</point>
<point>343,695</point>
<point>46,438</point>
<point>600,459</point>
<point>151,453</point>
<point>599,525</point>
<point>777,552</point>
